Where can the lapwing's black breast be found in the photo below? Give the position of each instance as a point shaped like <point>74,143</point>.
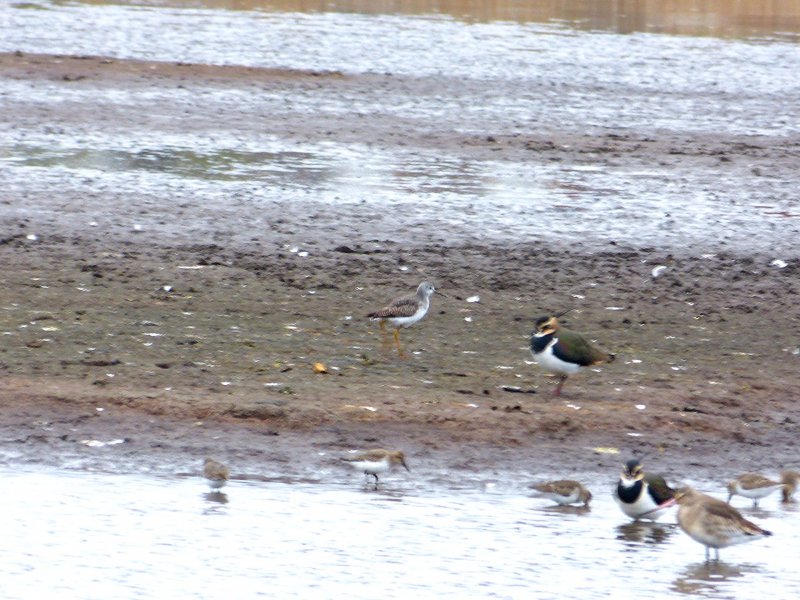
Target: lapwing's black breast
<point>630,494</point>
<point>540,343</point>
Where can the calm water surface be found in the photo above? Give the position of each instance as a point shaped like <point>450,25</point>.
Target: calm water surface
<point>85,535</point>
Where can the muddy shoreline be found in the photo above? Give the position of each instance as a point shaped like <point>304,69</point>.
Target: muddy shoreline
<point>168,327</point>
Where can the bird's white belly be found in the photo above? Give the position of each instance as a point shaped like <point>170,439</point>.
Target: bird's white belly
<point>571,499</point>
<point>719,538</point>
<point>549,362</point>
<point>757,493</point>
<point>408,321</point>
<point>371,466</point>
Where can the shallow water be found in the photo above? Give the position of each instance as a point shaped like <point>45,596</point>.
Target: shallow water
<point>685,86</point>
<point>92,535</point>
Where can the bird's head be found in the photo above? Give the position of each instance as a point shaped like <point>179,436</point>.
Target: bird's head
<point>546,325</point>
<point>426,289</point>
<point>731,490</point>
<point>549,324</point>
<point>632,470</point>
<point>400,459</point>
<point>684,494</point>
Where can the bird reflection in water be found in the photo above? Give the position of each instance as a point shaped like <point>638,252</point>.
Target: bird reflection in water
<point>636,533</point>
<point>216,496</point>
<point>216,502</point>
<point>567,509</point>
<point>702,578</point>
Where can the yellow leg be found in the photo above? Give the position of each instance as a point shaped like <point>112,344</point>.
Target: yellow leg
<point>397,342</point>
<point>385,340</point>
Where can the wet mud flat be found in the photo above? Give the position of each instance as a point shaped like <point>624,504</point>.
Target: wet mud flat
<point>198,334</point>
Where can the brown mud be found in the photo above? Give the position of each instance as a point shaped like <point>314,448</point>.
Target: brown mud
<point>193,345</point>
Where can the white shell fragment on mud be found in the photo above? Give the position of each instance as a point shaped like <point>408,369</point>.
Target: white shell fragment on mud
<point>657,271</point>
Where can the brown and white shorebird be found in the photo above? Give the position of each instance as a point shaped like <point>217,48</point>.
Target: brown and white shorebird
<point>753,486</point>
<point>564,491</point>
<point>790,481</point>
<point>216,473</point>
<point>406,310</point>
<point>712,522</point>
<point>375,461</point>
<point>561,351</point>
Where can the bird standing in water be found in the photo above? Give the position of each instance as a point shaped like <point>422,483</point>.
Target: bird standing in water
<point>376,461</point>
<point>790,481</point>
<point>561,351</point>
<point>712,522</point>
<point>564,491</point>
<point>642,495</point>
<point>754,486</point>
<point>216,473</point>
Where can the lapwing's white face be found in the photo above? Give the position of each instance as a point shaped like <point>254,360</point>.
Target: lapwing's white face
<point>546,325</point>
<point>631,474</point>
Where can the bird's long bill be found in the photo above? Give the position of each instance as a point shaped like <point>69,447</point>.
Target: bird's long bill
<point>440,293</point>
<point>564,312</point>
<point>403,462</point>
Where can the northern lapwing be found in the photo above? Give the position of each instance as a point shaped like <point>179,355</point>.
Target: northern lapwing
<point>561,351</point>
<point>712,522</point>
<point>753,486</point>
<point>406,310</point>
<point>642,495</point>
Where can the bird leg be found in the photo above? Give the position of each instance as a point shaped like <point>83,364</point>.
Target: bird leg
<point>384,339</point>
<point>561,381</point>
<point>397,342</point>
